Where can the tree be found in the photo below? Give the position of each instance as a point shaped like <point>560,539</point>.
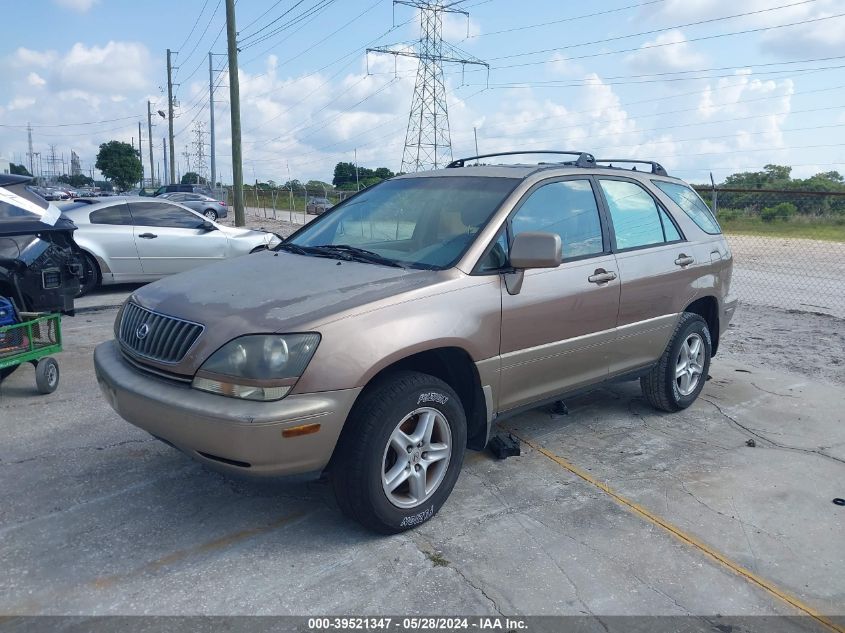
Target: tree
<point>77,180</point>
<point>120,163</point>
<point>18,170</point>
<point>193,178</point>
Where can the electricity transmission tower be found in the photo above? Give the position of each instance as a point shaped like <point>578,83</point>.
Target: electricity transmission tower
<point>199,150</point>
<point>428,144</point>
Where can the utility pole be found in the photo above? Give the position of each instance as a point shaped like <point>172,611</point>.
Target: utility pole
<point>141,154</point>
<point>357,186</point>
<point>29,134</point>
<point>150,136</point>
<point>211,127</point>
<point>170,115</point>
<point>235,108</point>
<point>164,153</point>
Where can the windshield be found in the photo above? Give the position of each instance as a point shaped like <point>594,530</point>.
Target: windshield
<point>417,222</point>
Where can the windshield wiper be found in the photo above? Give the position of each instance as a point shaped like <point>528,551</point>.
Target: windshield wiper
<point>353,253</point>
<point>296,249</point>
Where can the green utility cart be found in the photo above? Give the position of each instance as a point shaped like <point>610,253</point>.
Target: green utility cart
<point>32,341</point>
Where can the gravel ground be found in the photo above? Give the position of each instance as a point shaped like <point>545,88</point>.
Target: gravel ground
<point>807,343</point>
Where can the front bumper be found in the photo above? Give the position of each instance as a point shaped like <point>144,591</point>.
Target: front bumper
<point>229,434</point>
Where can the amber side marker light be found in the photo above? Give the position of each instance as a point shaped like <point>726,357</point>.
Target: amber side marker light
<point>303,429</point>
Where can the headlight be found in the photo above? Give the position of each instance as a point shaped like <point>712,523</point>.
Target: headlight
<point>257,367</point>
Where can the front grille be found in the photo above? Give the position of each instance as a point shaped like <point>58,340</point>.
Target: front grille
<point>155,336</point>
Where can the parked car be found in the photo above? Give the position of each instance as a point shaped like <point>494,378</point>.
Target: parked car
<point>126,239</point>
<point>211,208</point>
<point>203,189</point>
<point>40,264</point>
<point>385,337</point>
<point>318,206</point>
<point>141,191</point>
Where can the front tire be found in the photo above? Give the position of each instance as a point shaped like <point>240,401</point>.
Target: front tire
<point>679,376</point>
<point>400,453</point>
<point>91,278</point>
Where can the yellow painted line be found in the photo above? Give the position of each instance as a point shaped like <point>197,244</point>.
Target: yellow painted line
<point>686,538</point>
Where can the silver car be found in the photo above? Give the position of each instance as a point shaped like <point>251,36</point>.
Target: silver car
<point>137,240</point>
<point>210,207</point>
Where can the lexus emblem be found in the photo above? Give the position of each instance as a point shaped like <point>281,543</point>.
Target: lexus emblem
<point>142,331</point>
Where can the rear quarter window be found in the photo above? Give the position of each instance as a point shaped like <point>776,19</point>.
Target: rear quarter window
<point>691,204</point>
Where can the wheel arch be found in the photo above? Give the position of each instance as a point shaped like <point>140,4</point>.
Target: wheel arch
<point>90,249</point>
<point>454,366</point>
<point>708,309</point>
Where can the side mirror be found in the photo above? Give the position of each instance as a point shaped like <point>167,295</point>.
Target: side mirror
<point>207,226</point>
<point>532,250</point>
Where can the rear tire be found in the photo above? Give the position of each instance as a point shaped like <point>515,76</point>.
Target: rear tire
<point>91,279</point>
<point>211,214</point>
<point>679,376</point>
<point>408,428</point>
<point>47,375</point>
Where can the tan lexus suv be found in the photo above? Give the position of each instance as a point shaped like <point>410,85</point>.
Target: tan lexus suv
<point>387,336</point>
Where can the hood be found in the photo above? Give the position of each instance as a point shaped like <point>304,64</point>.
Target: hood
<point>273,292</point>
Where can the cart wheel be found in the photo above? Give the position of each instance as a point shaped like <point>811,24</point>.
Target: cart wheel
<point>47,375</point>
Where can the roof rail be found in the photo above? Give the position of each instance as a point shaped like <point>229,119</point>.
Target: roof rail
<point>584,159</point>
<point>656,168</point>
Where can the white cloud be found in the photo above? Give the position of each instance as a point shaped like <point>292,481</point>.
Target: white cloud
<point>825,37</point>
<point>82,6</point>
<point>24,57</point>
<point>20,103</point>
<point>664,55</point>
<point>117,66</point>
<point>34,79</point>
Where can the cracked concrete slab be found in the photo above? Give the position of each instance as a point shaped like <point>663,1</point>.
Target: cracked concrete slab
<point>99,519</point>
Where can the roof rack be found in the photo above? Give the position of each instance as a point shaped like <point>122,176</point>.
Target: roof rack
<point>584,159</point>
<point>656,168</point>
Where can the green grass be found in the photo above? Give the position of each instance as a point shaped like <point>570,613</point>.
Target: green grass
<point>827,230</point>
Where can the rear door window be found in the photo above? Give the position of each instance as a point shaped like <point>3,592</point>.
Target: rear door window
<point>115,214</point>
<point>164,215</point>
<point>635,215</point>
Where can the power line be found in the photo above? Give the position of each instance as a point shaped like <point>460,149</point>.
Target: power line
<point>193,28</point>
<point>273,6</point>
<point>570,19</point>
<point>321,5</point>
<point>269,24</point>
<point>205,30</point>
<point>653,31</point>
<point>601,81</point>
<point>662,44</point>
<point>24,125</point>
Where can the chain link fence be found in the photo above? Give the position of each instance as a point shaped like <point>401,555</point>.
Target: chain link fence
<point>788,246</point>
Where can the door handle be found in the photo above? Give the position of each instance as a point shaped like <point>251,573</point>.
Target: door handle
<point>148,236</point>
<point>601,276</point>
<point>684,260</point>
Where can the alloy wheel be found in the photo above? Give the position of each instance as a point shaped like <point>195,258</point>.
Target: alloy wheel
<point>416,457</point>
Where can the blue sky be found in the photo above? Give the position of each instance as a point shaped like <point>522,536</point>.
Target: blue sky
<point>652,79</point>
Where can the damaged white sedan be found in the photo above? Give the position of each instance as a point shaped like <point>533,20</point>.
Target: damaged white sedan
<point>137,240</point>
